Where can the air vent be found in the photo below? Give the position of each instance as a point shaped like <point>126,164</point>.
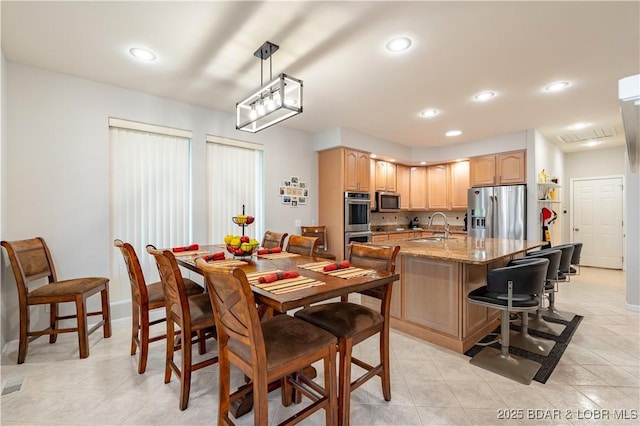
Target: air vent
<point>588,135</point>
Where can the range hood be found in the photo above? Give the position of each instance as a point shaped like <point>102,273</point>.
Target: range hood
<point>629,94</point>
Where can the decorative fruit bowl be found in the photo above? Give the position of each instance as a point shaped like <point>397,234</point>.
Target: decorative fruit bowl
<point>241,245</point>
<point>243,219</point>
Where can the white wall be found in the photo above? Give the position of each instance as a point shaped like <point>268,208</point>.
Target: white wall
<point>3,324</point>
<point>56,167</point>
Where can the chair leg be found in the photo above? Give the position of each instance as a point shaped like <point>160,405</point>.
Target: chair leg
<point>83,337</point>
<point>524,340</point>
<point>106,312</point>
<point>552,312</point>
<point>384,360</point>
<point>185,371</point>
<point>260,398</point>
<point>135,328</point>
<point>170,349</point>
<point>24,334</point>
<point>202,342</point>
<point>224,389</point>
<point>331,411</point>
<point>53,321</point>
<point>144,339</point>
<point>344,375</point>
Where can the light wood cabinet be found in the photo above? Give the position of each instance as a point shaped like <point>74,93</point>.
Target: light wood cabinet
<point>380,237</point>
<point>385,176</point>
<point>459,185</point>
<point>357,173</point>
<point>403,179</point>
<point>418,190</point>
<point>438,187</point>
<point>500,169</point>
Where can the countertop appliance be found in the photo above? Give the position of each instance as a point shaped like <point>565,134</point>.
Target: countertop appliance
<point>415,223</point>
<point>498,212</point>
<point>387,202</point>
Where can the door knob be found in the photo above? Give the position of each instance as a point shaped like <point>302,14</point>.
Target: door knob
<point>576,229</point>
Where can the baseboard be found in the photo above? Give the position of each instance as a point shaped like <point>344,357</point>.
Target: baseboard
<point>635,308</point>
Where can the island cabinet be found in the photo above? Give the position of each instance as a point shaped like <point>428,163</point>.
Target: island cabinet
<point>506,168</point>
<point>430,301</point>
<point>403,179</point>
<point>418,188</point>
<point>357,172</point>
<point>385,176</point>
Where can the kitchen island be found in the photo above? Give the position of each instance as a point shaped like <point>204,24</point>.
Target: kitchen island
<point>430,300</point>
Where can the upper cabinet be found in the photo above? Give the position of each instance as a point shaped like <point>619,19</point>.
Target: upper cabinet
<point>500,169</point>
<point>357,173</point>
<point>418,190</point>
<point>447,186</point>
<point>403,180</point>
<point>385,178</point>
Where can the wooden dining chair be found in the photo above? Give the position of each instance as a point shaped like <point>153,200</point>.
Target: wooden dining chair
<point>319,231</point>
<point>193,315</point>
<point>277,348</point>
<point>31,261</point>
<point>273,239</point>
<point>145,298</point>
<point>352,323</point>
<point>306,246</point>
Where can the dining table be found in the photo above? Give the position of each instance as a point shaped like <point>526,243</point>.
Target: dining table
<point>313,284</point>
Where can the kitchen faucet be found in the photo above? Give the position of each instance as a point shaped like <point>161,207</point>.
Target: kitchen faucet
<point>446,223</point>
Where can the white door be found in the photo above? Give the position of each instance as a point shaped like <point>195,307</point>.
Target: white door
<point>597,221</point>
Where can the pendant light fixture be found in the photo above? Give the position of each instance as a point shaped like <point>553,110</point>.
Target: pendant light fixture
<point>272,103</point>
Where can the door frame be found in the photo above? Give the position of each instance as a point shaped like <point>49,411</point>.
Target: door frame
<point>624,211</point>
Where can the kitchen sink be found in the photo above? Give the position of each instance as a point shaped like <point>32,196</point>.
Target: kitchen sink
<point>431,239</point>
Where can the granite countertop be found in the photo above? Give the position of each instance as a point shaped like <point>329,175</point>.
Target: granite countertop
<point>393,229</point>
<point>464,249</point>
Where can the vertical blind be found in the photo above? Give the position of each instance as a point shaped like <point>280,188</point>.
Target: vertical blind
<point>150,196</point>
<point>234,179</point>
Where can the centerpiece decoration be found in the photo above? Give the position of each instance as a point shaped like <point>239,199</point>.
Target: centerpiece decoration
<point>241,245</point>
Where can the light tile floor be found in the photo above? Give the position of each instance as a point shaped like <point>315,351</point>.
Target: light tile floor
<point>596,382</point>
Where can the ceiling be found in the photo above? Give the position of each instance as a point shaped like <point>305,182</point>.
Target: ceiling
<point>205,57</point>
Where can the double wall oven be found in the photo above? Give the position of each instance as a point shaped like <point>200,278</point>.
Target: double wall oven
<point>357,215</point>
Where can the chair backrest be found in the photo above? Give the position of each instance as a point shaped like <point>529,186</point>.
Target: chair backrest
<point>237,321</point>
<point>175,294</point>
<point>380,258</point>
<point>306,246</point>
<point>554,256</point>
<point>526,277</point>
<point>575,257</point>
<point>565,259</point>
<point>316,231</point>
<point>136,277</point>
<point>30,260</point>
<point>273,239</point>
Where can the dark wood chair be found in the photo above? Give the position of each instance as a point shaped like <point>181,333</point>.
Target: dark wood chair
<point>193,315</point>
<point>273,239</point>
<point>306,246</point>
<point>144,298</point>
<point>278,348</point>
<point>32,261</point>
<point>319,231</point>
<point>352,323</point>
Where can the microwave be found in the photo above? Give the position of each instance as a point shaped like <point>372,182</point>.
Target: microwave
<point>387,202</point>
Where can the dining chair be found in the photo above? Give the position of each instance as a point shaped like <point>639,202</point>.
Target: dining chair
<point>353,323</point>
<point>275,349</point>
<point>192,314</point>
<point>319,231</point>
<point>273,239</point>
<point>145,298</point>
<point>31,261</point>
<point>305,246</point>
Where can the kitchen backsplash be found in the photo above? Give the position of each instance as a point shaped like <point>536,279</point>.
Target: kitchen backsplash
<point>403,218</point>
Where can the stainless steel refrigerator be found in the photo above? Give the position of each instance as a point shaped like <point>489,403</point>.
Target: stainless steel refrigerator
<point>498,212</point>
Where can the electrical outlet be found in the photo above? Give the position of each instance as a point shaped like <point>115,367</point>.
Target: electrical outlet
<point>298,222</point>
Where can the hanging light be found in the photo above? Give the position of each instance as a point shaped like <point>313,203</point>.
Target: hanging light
<point>273,102</point>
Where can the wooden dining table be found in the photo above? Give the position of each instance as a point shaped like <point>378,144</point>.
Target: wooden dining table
<point>323,286</point>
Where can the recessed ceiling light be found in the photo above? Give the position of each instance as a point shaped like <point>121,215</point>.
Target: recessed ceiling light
<point>591,143</point>
<point>484,96</point>
<point>429,113</point>
<point>423,162</point>
<point>393,160</point>
<point>454,133</point>
<point>557,86</point>
<point>578,126</point>
<point>142,54</point>
<point>399,44</point>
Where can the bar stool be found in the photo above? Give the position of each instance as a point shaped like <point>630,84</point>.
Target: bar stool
<point>575,259</point>
<point>512,288</point>
<point>523,339</point>
<point>538,323</point>
<point>563,269</point>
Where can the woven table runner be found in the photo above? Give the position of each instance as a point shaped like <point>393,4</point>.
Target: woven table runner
<point>281,286</point>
